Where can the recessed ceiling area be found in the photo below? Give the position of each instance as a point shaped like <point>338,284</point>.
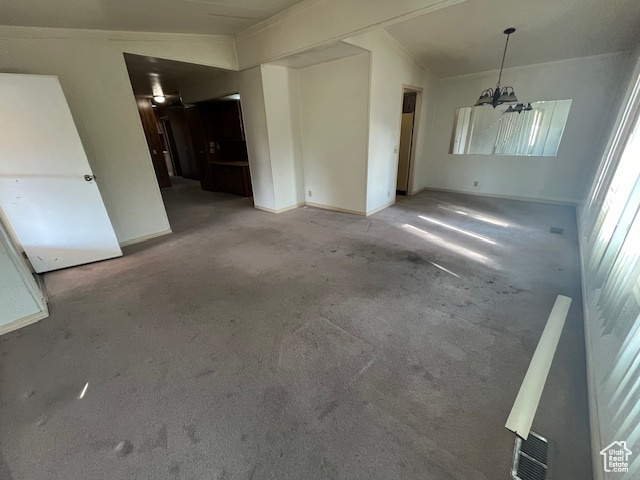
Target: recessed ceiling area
<point>220,17</point>
<point>467,37</point>
<point>314,56</point>
<point>145,72</point>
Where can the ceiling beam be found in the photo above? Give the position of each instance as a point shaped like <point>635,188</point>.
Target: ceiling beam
<point>312,23</point>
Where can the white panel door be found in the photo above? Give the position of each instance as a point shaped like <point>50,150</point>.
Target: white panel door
<point>48,193</point>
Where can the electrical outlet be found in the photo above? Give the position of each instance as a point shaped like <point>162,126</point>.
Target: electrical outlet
<point>309,192</point>
<point>388,193</point>
<point>395,149</point>
<point>475,184</point>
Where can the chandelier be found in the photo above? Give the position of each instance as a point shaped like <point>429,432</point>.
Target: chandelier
<point>498,96</point>
<point>519,108</point>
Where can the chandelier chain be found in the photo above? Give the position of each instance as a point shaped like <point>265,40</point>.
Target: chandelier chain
<point>498,96</point>
<point>504,55</point>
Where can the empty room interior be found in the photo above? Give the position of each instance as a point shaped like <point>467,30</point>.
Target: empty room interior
<point>326,239</point>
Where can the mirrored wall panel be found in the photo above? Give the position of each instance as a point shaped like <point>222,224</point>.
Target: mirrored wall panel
<point>533,129</point>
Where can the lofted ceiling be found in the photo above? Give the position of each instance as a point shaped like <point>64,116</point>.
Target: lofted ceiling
<point>321,54</point>
<point>467,37</point>
<point>221,17</point>
<point>169,75</point>
<point>461,39</point>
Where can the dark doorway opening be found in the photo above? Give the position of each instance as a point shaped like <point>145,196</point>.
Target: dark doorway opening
<point>405,150</point>
<point>202,140</point>
<point>226,157</point>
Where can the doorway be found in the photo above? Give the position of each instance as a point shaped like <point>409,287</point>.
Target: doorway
<point>407,141</point>
<point>193,127</point>
<point>171,148</point>
<point>225,146</point>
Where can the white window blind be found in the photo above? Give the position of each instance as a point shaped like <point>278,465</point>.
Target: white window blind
<point>611,256</point>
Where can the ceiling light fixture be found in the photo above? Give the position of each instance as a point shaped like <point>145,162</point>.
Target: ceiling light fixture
<point>519,108</point>
<point>159,98</point>
<point>498,96</point>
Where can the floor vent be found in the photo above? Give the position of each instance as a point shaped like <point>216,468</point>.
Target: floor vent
<point>530,458</point>
<point>557,230</point>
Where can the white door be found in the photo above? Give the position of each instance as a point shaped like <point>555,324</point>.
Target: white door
<point>48,194</point>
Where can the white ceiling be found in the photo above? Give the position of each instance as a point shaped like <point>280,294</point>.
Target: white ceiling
<point>324,53</point>
<point>467,37</point>
<point>171,76</point>
<point>221,17</point>
<point>461,39</point>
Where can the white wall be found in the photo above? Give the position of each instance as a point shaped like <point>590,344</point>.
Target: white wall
<point>255,124</point>
<point>21,301</point>
<point>349,122</point>
<point>93,74</point>
<point>282,108</point>
<point>271,113</point>
<point>94,78</point>
<point>618,100</point>
<point>334,99</point>
<point>609,352</point>
<point>392,69</point>
<point>221,85</point>
<point>590,82</point>
<point>307,130</point>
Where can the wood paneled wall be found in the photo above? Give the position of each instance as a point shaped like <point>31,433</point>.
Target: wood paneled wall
<point>150,126</point>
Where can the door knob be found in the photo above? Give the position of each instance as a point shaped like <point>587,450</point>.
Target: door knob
<point>88,178</point>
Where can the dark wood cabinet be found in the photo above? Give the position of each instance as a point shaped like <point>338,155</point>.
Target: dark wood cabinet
<point>206,142</point>
<point>225,147</point>
<point>231,177</point>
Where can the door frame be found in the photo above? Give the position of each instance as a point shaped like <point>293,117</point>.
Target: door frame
<point>149,120</point>
<point>165,122</point>
<point>25,269</point>
<point>416,125</point>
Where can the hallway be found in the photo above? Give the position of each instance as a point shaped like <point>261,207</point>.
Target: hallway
<point>306,345</point>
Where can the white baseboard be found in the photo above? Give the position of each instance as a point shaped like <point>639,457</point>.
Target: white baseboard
<point>133,241</point>
<point>335,209</point>
<point>379,209</point>
<point>264,209</point>
<point>421,189</point>
<point>506,197</point>
<point>23,322</point>
<point>291,207</point>
<point>308,204</point>
<point>279,210</point>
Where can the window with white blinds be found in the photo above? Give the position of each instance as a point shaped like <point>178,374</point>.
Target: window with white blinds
<point>611,256</point>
